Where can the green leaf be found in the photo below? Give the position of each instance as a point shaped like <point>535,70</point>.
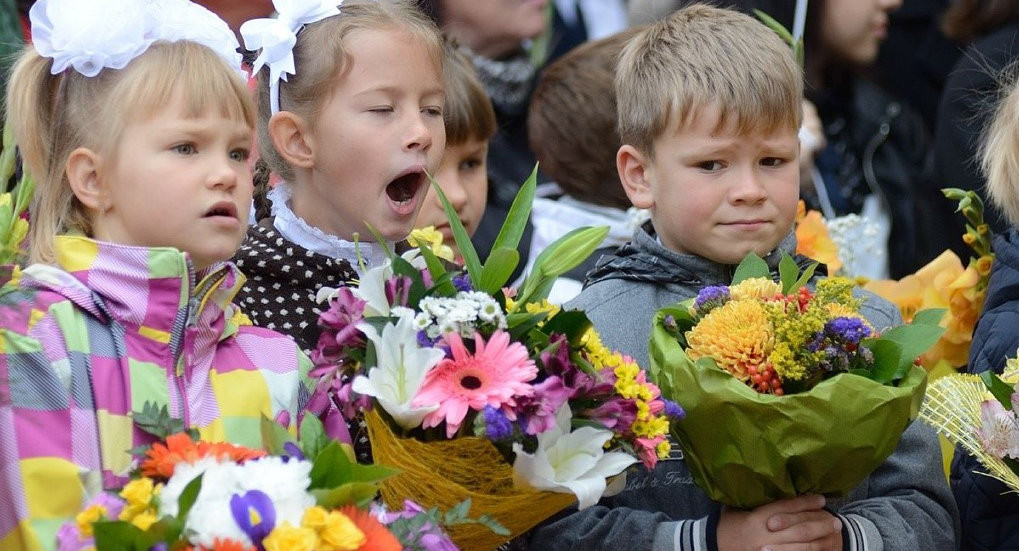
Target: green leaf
<point>312,437</point>
<point>441,283</point>
<point>491,523</point>
<point>460,235</point>
<point>887,360</point>
<point>560,257</point>
<point>776,26</point>
<point>929,316</point>
<point>333,467</point>
<point>458,512</point>
<point>914,339</point>
<point>788,272</point>
<point>351,493</point>
<point>573,324</point>
<point>999,388</point>
<point>497,269</point>
<point>751,266</point>
<point>805,276</point>
<point>158,422</point>
<point>188,497</point>
<point>517,219</point>
<point>121,535</point>
<point>273,435</point>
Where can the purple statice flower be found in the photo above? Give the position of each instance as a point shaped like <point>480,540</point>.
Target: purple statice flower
<point>711,297</point>
<point>847,330</point>
<point>425,341</point>
<point>463,282</point>
<point>493,424</point>
<point>673,410</point>
<point>537,413</point>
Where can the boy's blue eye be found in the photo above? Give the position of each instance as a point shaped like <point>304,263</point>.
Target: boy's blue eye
<point>710,166</point>
<point>240,155</point>
<point>470,164</point>
<point>772,161</point>
<point>184,149</point>
<point>384,109</point>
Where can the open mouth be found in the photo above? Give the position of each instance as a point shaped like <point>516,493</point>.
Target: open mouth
<point>403,189</point>
<point>223,208</point>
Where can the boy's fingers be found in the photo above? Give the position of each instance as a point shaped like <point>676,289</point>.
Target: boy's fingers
<point>797,504</point>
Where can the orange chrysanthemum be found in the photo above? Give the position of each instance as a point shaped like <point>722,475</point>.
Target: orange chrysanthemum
<point>736,335</point>
<point>161,459</point>
<point>377,536</point>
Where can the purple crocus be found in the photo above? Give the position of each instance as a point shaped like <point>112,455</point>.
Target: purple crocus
<point>254,514</point>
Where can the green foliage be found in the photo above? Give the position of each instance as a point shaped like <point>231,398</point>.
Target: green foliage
<point>158,422</point>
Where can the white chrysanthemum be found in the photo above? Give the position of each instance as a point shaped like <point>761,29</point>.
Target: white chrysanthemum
<point>285,483</point>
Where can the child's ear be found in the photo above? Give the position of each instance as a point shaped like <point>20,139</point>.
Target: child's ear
<point>636,175</point>
<point>83,173</point>
<point>292,138</point>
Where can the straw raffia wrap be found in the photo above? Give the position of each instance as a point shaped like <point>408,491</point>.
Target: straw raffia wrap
<point>443,473</point>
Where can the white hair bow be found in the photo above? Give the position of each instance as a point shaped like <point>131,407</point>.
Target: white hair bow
<point>89,37</point>
<point>276,38</point>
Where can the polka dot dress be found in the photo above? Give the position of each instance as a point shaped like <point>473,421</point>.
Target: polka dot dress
<point>283,279</point>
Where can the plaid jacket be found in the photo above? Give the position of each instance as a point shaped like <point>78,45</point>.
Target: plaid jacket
<point>84,345</point>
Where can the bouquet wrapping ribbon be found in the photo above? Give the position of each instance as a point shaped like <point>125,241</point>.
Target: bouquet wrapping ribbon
<point>442,473</point>
<point>745,449</point>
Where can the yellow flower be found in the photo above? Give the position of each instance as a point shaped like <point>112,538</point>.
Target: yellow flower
<point>813,240</point>
<point>340,533</point>
<point>433,239</point>
<point>144,520</point>
<point>84,519</point>
<point>737,334</point>
<point>140,491</point>
<point>942,283</point>
<point>286,537</point>
<point>755,288</point>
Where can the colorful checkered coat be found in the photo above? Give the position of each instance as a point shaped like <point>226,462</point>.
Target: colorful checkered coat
<point>114,327</point>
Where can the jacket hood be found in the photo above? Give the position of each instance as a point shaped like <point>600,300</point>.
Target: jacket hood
<point>644,259</point>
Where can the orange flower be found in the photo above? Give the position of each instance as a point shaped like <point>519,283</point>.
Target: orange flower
<point>223,545</point>
<point>942,283</point>
<point>813,240</point>
<point>377,536</point>
<point>162,458</point>
<point>736,335</point>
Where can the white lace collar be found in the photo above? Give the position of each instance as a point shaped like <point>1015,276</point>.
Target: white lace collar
<point>294,229</point>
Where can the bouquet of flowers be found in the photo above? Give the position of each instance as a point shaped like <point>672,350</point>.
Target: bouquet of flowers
<point>772,374</point>
<point>477,391</point>
<point>312,495</point>
<point>13,209</point>
<point>979,413</point>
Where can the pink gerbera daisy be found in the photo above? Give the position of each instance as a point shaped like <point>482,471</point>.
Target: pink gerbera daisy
<point>493,375</point>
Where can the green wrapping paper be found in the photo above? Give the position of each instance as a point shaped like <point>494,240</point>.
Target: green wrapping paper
<point>745,449</point>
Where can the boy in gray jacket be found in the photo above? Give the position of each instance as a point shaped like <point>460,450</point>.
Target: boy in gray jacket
<point>709,107</point>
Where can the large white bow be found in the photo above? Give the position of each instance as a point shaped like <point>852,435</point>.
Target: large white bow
<point>89,37</point>
<point>276,38</point>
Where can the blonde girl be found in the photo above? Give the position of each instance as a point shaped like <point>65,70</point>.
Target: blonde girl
<point>137,129</point>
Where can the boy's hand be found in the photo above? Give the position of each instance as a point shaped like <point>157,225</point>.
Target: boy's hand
<point>795,524</point>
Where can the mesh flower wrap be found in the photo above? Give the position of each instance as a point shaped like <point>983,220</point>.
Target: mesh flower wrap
<point>442,473</point>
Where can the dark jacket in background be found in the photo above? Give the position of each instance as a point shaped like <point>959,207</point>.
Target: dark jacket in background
<point>988,510</point>
<point>967,103</point>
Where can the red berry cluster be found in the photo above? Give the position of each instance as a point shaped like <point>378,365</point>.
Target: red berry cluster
<point>765,380</point>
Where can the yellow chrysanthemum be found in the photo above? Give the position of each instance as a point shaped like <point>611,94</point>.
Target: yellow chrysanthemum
<point>755,288</point>
<point>286,537</point>
<point>429,236</point>
<point>736,335</point>
<point>662,450</point>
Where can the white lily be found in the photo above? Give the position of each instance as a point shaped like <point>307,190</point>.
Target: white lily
<point>400,371</point>
<point>571,462</point>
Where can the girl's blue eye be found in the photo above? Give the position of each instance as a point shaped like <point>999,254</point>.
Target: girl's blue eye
<point>240,155</point>
<point>184,149</point>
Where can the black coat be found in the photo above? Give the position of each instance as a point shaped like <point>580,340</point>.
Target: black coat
<point>988,514</point>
